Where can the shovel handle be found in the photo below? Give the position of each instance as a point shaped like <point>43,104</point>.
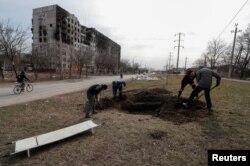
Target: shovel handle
<point>204,93</point>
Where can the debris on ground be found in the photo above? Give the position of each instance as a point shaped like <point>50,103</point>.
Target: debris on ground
<point>157,135</point>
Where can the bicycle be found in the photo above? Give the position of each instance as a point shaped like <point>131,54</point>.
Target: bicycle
<point>18,88</point>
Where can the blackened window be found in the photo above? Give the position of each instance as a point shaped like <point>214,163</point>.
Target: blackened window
<point>50,25</point>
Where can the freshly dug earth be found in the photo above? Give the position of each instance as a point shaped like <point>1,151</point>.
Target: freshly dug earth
<point>157,102</point>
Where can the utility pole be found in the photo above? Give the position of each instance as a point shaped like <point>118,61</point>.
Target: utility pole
<point>166,72</point>
<point>185,63</point>
<point>179,41</point>
<point>232,54</point>
<point>169,62</point>
<point>205,61</point>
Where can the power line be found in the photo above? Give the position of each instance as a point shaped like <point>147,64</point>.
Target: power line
<point>232,19</point>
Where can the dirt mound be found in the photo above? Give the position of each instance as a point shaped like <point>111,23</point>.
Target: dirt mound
<point>157,102</point>
<point>161,103</point>
<point>104,103</point>
<point>178,115</point>
<point>160,91</point>
<point>148,95</point>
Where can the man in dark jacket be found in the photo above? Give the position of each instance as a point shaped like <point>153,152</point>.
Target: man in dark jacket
<point>21,78</point>
<point>187,79</point>
<point>118,85</point>
<point>92,95</point>
<point>204,79</point>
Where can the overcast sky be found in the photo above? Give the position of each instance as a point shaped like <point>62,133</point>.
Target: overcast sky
<point>146,29</point>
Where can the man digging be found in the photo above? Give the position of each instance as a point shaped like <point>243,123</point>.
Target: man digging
<point>92,95</point>
<point>204,79</point>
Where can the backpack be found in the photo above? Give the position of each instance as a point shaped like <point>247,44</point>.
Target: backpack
<point>19,79</point>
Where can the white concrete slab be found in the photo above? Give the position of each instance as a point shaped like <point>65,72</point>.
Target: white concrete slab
<point>24,144</point>
<point>43,139</point>
<point>64,133</point>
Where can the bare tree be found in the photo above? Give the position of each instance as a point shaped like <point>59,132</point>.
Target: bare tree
<point>244,60</point>
<point>215,50</point>
<point>1,66</point>
<point>71,60</point>
<point>101,60</point>
<point>12,41</point>
<point>125,66</point>
<point>83,59</point>
<point>136,67</point>
<point>199,62</point>
<point>35,61</point>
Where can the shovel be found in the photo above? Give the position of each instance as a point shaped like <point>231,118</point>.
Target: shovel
<point>204,93</point>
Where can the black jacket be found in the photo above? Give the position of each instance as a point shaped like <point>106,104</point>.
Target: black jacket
<point>95,89</point>
<point>187,80</point>
<point>21,77</point>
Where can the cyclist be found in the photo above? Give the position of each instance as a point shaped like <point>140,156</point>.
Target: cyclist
<point>21,78</point>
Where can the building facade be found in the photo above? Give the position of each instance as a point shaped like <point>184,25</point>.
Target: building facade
<point>58,37</point>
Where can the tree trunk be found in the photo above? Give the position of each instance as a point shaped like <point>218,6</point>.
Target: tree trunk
<point>80,71</point>
<point>86,74</point>
<point>70,74</point>
<point>237,59</point>
<point>1,73</point>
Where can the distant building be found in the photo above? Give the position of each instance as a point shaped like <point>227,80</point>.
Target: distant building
<point>57,32</point>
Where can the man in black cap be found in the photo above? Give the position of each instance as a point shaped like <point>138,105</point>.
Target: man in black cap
<point>204,79</point>
<point>187,79</point>
<point>92,95</point>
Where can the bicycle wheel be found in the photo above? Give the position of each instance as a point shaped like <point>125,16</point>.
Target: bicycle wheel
<point>29,87</point>
<point>17,89</point>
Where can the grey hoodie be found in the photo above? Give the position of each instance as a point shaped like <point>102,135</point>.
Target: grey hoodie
<point>204,78</point>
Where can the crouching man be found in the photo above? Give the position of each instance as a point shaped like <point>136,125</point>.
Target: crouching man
<point>118,85</point>
<point>204,79</point>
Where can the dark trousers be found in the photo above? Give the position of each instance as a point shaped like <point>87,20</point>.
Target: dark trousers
<point>22,85</point>
<point>91,105</point>
<point>116,87</point>
<point>195,93</point>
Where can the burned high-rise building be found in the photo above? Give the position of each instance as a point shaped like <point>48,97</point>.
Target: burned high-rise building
<point>58,35</point>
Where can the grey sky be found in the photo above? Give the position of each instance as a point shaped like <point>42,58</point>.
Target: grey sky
<point>145,29</point>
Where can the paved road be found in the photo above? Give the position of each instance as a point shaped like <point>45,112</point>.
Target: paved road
<point>236,80</point>
<point>48,89</point>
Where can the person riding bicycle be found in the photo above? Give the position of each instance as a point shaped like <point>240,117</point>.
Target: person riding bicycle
<point>21,78</point>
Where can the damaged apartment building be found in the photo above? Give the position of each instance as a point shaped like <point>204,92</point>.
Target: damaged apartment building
<point>58,36</point>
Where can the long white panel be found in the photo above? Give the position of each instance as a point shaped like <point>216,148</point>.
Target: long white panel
<point>64,133</point>
<point>25,144</point>
<point>43,139</point>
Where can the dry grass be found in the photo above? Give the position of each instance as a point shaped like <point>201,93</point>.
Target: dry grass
<point>129,139</point>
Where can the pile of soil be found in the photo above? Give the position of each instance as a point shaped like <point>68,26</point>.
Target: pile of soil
<point>104,103</point>
<point>157,102</point>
